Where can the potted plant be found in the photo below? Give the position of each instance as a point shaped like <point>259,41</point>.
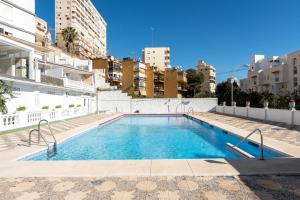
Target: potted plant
<point>45,107</point>
<point>57,106</point>
<point>78,106</point>
<point>21,108</point>
<point>71,106</point>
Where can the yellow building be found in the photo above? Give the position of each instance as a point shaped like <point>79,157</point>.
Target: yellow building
<point>149,81</point>
<point>159,82</point>
<point>182,80</point>
<point>110,68</point>
<point>134,79</point>
<point>169,83</point>
<point>209,76</point>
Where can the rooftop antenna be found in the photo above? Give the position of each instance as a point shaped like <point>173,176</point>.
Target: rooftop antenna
<point>152,31</point>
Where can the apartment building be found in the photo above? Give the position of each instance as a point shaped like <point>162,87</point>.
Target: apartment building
<point>159,82</point>
<point>42,34</point>
<point>209,77</point>
<point>17,18</point>
<point>39,75</point>
<point>169,83</point>
<point>110,68</point>
<point>90,25</point>
<point>293,61</point>
<point>157,57</point>
<point>134,79</point>
<point>276,74</point>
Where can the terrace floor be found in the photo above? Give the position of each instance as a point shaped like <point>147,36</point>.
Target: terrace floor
<point>278,131</point>
<point>20,137</point>
<point>217,188</point>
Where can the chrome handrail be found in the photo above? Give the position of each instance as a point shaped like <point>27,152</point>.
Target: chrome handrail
<point>261,141</point>
<point>40,135</point>
<point>190,110</point>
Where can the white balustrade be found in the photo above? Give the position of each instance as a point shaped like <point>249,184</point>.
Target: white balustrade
<point>29,118</point>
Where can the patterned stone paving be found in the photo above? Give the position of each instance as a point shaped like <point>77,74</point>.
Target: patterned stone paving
<point>278,131</point>
<point>11,140</point>
<point>214,188</point>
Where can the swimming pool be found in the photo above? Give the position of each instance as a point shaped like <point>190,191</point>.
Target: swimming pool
<point>138,137</point>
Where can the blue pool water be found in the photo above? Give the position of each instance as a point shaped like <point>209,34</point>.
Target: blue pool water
<point>151,137</point>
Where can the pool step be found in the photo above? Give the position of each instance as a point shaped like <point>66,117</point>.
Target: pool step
<point>239,151</point>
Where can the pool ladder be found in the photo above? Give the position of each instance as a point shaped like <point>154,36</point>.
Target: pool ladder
<point>190,111</point>
<point>261,142</point>
<point>50,153</point>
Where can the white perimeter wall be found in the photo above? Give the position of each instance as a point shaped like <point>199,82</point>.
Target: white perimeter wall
<point>34,98</point>
<point>156,106</point>
<point>275,115</point>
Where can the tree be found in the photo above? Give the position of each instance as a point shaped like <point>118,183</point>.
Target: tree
<point>69,35</point>
<point>6,93</point>
<point>194,82</point>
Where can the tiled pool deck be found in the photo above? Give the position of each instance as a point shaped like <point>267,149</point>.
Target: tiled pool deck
<point>212,188</point>
<point>154,179</point>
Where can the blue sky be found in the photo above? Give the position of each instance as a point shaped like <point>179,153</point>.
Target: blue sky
<point>225,33</point>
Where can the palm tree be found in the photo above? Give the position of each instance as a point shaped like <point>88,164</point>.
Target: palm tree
<point>69,35</point>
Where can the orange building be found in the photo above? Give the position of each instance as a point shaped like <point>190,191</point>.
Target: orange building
<point>110,68</point>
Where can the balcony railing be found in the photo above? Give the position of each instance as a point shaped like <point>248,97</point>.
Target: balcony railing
<point>52,80</point>
<point>77,85</point>
<point>27,118</point>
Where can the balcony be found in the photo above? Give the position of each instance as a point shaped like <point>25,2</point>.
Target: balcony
<point>182,79</point>
<point>52,80</point>
<point>79,85</point>
<point>159,79</point>
<point>159,89</point>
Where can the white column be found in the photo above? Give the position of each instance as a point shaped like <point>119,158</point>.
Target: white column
<point>31,66</point>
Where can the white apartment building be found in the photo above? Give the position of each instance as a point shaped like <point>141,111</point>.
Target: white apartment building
<point>17,18</point>
<point>209,77</point>
<point>47,82</point>
<point>90,25</point>
<point>276,74</point>
<point>42,34</point>
<point>157,57</point>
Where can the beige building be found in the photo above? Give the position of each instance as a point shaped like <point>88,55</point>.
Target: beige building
<point>110,68</point>
<point>276,74</point>
<point>209,77</point>
<point>42,34</point>
<point>157,57</point>
<point>134,79</point>
<point>90,25</point>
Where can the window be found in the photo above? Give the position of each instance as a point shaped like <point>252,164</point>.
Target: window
<point>294,61</point>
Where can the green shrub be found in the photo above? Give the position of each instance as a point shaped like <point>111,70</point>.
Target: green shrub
<point>21,108</point>
<point>78,106</point>
<point>58,106</point>
<point>45,107</point>
<point>71,106</point>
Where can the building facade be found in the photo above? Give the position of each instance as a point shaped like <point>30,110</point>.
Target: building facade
<point>90,25</point>
<point>110,68</point>
<point>134,77</point>
<point>17,19</point>
<point>47,82</point>
<point>209,77</point>
<point>169,83</point>
<point>157,57</point>
<point>276,74</point>
<point>42,34</point>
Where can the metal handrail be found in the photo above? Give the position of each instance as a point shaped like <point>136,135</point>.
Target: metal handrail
<point>190,110</point>
<point>40,135</point>
<point>261,141</point>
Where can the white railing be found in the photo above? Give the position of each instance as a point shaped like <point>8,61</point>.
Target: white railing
<point>77,85</point>
<point>291,117</point>
<point>29,118</point>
